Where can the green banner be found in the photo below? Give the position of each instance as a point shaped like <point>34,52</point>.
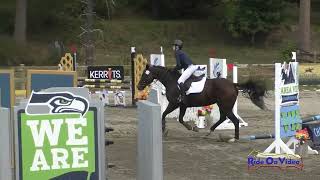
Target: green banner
<point>58,146</point>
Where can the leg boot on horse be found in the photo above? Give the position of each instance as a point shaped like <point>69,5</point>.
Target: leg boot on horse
<point>171,107</point>
<point>182,112</point>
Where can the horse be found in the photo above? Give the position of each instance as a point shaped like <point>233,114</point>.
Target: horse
<point>220,91</point>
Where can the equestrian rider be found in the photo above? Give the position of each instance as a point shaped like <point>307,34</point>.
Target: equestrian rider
<point>185,63</point>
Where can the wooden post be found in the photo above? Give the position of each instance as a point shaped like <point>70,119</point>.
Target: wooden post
<point>133,84</point>
<point>21,77</point>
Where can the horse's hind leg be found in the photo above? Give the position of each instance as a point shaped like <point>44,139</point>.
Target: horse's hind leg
<point>171,107</point>
<point>235,121</point>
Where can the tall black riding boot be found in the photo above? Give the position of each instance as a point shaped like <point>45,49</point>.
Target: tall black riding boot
<point>182,93</point>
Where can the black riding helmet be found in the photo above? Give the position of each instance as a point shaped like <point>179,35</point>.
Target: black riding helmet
<point>178,43</point>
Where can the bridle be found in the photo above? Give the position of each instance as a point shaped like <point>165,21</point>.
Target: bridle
<point>155,83</point>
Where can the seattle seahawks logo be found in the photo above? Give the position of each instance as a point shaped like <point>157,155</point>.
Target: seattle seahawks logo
<point>217,70</point>
<point>156,62</point>
<point>119,97</point>
<point>56,103</point>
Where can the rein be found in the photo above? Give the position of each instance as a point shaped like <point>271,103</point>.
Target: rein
<point>162,77</point>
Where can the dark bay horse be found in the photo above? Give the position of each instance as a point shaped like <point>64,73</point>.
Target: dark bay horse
<point>220,91</point>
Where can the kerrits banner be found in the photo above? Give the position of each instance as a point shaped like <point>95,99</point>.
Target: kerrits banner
<point>106,72</point>
<point>57,138</point>
<point>289,95</point>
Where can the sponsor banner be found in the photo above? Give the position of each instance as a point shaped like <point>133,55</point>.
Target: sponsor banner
<point>120,98</point>
<point>57,134</point>
<point>290,99</point>
<point>289,74</point>
<point>290,120</point>
<point>106,72</point>
<point>56,103</point>
<point>157,60</point>
<point>314,131</point>
<point>218,68</point>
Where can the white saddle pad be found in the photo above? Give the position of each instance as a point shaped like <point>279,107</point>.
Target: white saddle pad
<point>197,87</point>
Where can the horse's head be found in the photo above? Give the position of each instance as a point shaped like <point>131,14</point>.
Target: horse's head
<point>163,74</point>
<point>146,78</point>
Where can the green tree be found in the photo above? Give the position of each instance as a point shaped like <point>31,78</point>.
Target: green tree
<point>247,18</point>
<point>175,9</point>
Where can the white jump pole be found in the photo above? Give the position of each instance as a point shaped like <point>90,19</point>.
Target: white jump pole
<point>235,80</point>
<point>235,107</point>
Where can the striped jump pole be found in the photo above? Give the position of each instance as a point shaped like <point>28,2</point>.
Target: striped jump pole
<point>105,86</point>
<point>310,119</point>
<point>104,81</point>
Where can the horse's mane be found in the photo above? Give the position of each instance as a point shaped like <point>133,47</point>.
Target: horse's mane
<point>168,70</point>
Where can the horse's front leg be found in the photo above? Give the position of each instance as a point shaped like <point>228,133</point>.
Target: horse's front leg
<point>171,107</point>
<point>183,109</point>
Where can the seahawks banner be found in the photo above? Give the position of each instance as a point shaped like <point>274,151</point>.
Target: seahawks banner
<point>157,59</point>
<point>290,120</point>
<point>58,138</point>
<point>218,68</point>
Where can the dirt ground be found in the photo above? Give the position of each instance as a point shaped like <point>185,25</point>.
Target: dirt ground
<point>192,156</point>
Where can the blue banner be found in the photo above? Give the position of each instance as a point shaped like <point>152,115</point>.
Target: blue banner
<point>290,120</point>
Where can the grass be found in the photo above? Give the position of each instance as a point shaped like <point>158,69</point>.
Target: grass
<point>199,37</point>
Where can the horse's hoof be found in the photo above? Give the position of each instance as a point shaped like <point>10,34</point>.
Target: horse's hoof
<point>188,126</point>
<point>232,140</point>
<point>209,133</point>
<point>195,129</point>
<point>165,133</point>
<point>225,138</point>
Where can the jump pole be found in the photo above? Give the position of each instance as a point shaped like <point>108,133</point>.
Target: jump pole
<point>310,119</point>
<point>268,136</point>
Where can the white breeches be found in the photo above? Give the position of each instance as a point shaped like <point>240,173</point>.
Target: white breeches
<point>187,73</point>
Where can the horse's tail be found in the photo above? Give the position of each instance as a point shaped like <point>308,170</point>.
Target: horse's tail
<point>256,91</point>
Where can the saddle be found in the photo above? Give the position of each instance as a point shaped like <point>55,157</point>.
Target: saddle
<point>192,79</point>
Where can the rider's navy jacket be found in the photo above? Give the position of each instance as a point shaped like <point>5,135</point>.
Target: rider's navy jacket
<point>182,60</point>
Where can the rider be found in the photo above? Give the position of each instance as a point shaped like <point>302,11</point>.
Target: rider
<point>185,63</point>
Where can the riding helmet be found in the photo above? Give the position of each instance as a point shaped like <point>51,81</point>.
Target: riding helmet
<point>178,43</point>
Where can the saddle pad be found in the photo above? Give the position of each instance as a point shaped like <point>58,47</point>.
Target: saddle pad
<point>196,87</point>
